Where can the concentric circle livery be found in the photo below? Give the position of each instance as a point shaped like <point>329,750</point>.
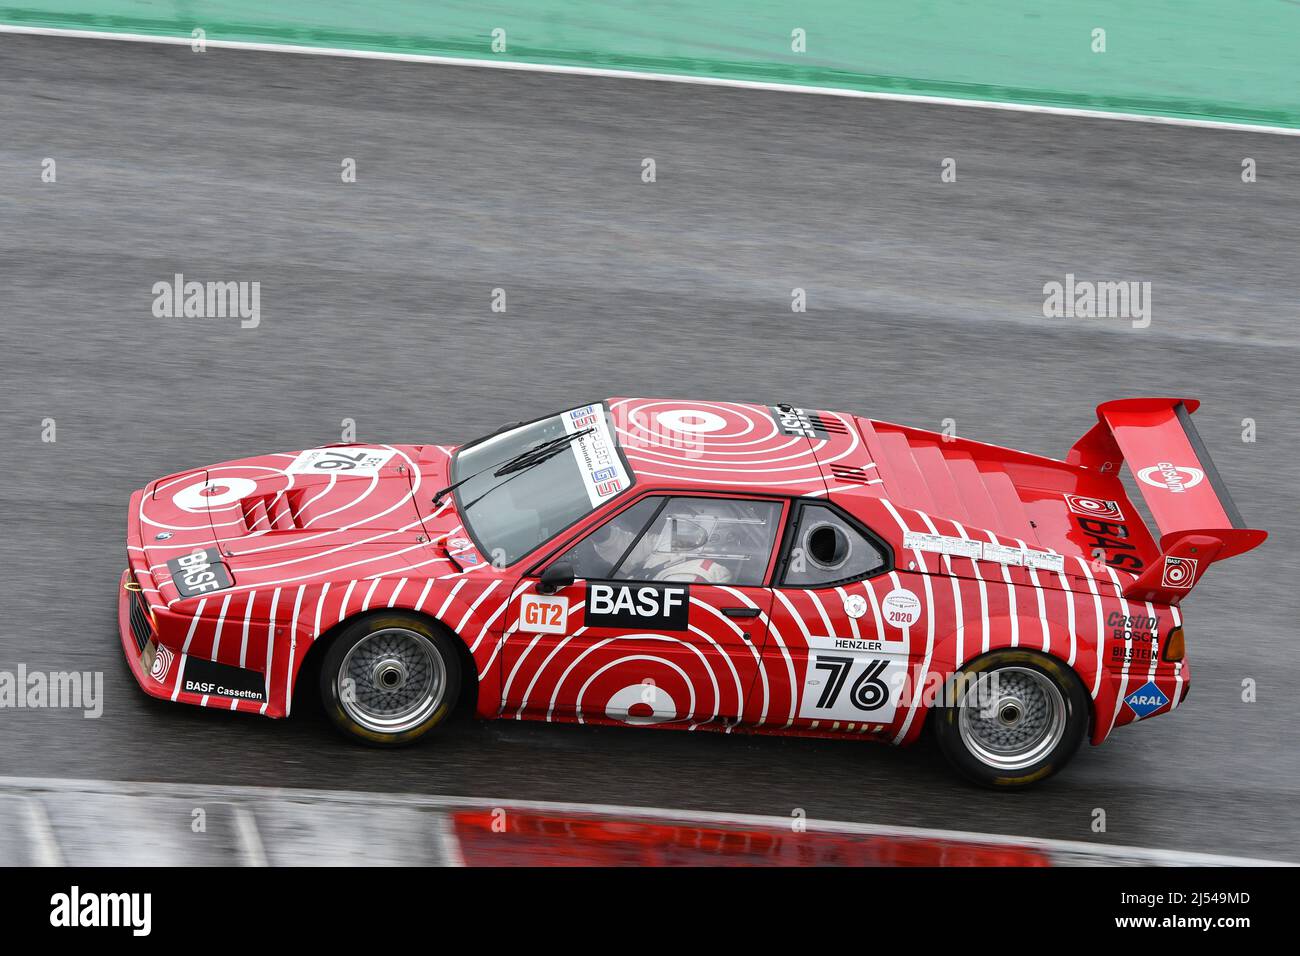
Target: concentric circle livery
<point>960,549</point>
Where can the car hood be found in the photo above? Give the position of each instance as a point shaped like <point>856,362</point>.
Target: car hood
<point>336,511</point>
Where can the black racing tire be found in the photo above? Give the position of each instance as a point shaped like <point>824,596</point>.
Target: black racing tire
<point>389,678</point>
<point>1027,727</point>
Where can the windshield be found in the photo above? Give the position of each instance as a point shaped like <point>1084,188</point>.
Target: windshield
<point>512,510</point>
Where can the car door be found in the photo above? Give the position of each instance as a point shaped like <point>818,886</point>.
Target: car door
<point>664,621</point>
<point>839,624</point>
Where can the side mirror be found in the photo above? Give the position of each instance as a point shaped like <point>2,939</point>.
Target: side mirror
<point>558,575</point>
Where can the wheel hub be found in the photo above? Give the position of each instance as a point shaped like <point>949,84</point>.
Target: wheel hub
<point>389,674</point>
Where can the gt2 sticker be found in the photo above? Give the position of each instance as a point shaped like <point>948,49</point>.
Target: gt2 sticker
<point>210,677</point>
<point>199,573</point>
<point>1179,573</point>
<point>901,608</point>
<point>544,614</point>
<point>851,687</point>
<point>359,462</point>
<point>1101,508</point>
<point>796,421</point>
<point>655,606</point>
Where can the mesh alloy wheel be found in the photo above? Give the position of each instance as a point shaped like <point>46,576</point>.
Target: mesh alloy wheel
<point>392,680</point>
<point>1012,718</point>
<point>388,678</point>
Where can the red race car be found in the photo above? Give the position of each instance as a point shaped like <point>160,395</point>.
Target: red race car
<point>695,565</point>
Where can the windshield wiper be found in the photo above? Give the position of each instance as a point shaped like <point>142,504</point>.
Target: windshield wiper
<point>517,466</point>
<point>517,463</point>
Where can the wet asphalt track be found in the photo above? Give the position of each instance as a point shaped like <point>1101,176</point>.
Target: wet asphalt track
<point>924,304</point>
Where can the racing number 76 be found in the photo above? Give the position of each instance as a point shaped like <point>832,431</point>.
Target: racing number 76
<point>340,461</point>
<point>868,692</point>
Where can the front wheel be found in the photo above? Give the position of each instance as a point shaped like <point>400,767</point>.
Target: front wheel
<point>1014,718</point>
<point>389,678</point>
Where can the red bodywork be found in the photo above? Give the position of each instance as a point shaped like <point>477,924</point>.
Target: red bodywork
<point>1000,549</point>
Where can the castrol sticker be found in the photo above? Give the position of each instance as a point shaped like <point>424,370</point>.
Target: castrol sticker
<point>901,608</point>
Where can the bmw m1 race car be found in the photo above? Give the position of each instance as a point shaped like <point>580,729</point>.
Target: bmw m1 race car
<point>694,565</point>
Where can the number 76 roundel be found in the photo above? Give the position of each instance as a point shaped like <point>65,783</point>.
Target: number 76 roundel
<point>852,687</point>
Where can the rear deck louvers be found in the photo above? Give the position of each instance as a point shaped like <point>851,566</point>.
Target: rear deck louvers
<point>828,424</point>
<point>278,511</point>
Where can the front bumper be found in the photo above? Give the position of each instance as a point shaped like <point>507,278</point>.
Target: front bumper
<point>160,669</point>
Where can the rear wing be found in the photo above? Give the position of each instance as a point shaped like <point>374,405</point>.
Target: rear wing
<point>1197,520</point>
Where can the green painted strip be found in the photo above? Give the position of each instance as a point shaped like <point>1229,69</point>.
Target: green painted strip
<point>1235,61</point>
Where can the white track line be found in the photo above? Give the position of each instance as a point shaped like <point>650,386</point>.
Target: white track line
<point>210,43</point>
<point>251,850</point>
<point>45,846</point>
<point>32,786</point>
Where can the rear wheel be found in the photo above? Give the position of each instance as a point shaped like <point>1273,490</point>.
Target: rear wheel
<point>1016,718</point>
<point>389,678</point>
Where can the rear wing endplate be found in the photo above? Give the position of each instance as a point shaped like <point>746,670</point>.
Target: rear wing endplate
<point>1198,521</point>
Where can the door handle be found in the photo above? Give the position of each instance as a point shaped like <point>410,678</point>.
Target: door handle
<point>740,611</point>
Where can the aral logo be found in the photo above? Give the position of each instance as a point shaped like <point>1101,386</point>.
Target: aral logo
<point>1171,477</point>
<point>199,573</point>
<point>1146,700</point>
<point>544,614</point>
<point>656,606</point>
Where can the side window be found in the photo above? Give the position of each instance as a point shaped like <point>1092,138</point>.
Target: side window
<point>827,549</point>
<point>705,541</point>
<point>595,555</point>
